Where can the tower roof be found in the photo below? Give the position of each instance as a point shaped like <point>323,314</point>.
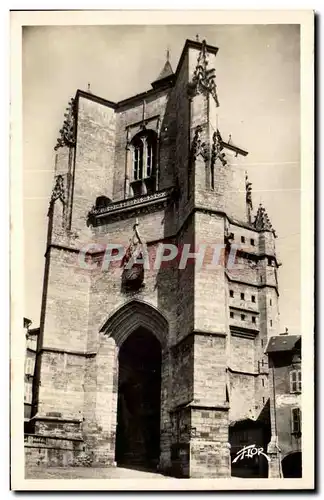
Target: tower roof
<point>166,72</point>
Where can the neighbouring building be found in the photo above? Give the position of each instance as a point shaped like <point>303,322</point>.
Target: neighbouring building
<point>31,335</point>
<point>285,382</point>
<point>164,366</point>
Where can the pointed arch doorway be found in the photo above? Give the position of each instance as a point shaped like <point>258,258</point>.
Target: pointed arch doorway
<point>139,390</point>
<point>139,400</point>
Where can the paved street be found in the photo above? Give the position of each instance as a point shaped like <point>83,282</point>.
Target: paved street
<point>89,473</point>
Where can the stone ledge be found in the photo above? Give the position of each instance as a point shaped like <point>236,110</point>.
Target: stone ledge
<point>196,405</point>
<point>49,418</point>
<point>48,436</point>
<point>87,354</point>
<point>127,206</point>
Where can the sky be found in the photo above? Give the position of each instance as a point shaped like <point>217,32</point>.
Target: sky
<point>257,76</point>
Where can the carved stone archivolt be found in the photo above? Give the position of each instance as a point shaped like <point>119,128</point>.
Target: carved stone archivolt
<point>203,80</point>
<point>67,132</point>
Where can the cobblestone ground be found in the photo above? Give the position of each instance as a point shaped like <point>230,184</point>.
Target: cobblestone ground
<point>89,473</point>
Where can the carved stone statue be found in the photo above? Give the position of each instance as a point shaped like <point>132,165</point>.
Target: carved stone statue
<point>133,271</point>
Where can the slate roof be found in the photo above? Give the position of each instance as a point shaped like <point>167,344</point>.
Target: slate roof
<point>281,343</point>
<point>166,71</point>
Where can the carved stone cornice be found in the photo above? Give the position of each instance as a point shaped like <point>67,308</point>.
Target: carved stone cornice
<point>132,206</point>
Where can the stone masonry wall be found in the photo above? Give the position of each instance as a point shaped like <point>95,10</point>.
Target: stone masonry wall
<point>210,370</point>
<point>210,316</point>
<point>94,158</point>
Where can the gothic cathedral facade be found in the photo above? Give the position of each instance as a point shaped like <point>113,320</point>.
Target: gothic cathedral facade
<point>161,365</point>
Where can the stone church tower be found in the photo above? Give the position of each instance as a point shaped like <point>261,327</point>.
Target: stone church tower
<point>161,365</point>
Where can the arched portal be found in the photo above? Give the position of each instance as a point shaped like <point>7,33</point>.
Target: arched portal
<point>139,400</point>
<point>292,465</point>
<point>139,389</point>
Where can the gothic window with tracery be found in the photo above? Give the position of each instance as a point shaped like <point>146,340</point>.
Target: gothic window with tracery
<point>143,163</point>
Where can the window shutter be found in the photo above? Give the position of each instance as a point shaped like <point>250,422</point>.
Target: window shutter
<point>299,380</point>
<point>295,421</point>
<point>293,381</point>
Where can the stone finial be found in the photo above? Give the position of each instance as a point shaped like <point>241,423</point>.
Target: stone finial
<point>248,197</point>
<point>203,80</point>
<point>248,188</point>
<point>58,192</point>
<point>262,221</point>
<point>217,148</point>
<point>67,132</point>
<point>198,146</point>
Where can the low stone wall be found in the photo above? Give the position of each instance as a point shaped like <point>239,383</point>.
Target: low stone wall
<point>52,451</point>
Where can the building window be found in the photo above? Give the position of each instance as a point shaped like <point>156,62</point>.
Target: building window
<point>263,382</point>
<point>231,314</point>
<point>295,420</point>
<point>29,366</point>
<point>138,161</point>
<point>295,381</point>
<point>242,239</point>
<point>28,393</point>
<point>269,261</point>
<point>253,319</point>
<point>262,342</point>
<point>252,242</point>
<point>263,400</point>
<point>253,298</point>
<point>270,322</point>
<point>242,296</point>
<point>270,302</point>
<point>231,293</point>
<point>242,317</point>
<point>144,163</point>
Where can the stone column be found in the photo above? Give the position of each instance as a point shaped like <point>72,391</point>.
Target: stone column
<point>128,169</point>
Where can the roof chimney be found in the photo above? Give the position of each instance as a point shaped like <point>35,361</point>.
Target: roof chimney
<point>285,332</point>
